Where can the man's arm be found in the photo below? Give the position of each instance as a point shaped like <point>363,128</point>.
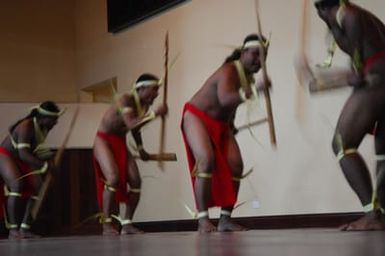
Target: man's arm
<point>25,134</point>
<point>139,143</point>
<point>228,94</point>
<point>350,39</point>
<point>354,33</point>
<point>126,107</point>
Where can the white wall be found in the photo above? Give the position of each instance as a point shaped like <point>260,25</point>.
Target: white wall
<point>301,176</point>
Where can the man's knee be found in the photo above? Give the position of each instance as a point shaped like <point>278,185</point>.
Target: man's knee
<point>17,187</point>
<point>237,169</point>
<point>112,180</point>
<point>336,145</point>
<point>341,148</point>
<point>205,163</point>
<point>136,182</point>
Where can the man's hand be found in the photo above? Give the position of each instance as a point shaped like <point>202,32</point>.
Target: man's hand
<point>144,155</point>
<point>356,81</point>
<point>262,85</point>
<point>162,110</point>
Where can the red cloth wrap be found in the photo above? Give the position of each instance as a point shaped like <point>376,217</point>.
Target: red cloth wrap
<point>24,169</point>
<point>368,62</point>
<point>118,148</point>
<point>222,188</point>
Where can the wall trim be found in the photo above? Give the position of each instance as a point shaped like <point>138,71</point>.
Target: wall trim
<point>324,220</point>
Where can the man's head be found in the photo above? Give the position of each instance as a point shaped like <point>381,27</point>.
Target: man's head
<point>147,86</point>
<point>326,3</point>
<point>47,114</point>
<point>250,53</point>
<point>325,8</point>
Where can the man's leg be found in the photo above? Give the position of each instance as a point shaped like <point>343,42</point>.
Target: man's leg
<point>135,183</point>
<point>356,119</point>
<point>234,159</point>
<point>200,145</point>
<point>110,171</point>
<point>14,204</point>
<point>380,167</point>
<point>25,227</point>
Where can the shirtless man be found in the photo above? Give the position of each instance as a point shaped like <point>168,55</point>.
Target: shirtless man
<point>362,36</point>
<point>114,164</point>
<point>22,162</point>
<point>213,153</point>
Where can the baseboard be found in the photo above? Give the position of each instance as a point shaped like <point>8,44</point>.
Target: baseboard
<point>326,220</point>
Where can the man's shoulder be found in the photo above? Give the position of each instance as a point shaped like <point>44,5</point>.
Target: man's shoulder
<point>228,70</point>
<point>26,124</point>
<point>126,99</point>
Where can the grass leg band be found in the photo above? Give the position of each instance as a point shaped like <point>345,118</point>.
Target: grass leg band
<point>10,193</point>
<point>135,190</point>
<point>13,194</point>
<point>368,207</point>
<point>120,220</point>
<point>36,198</point>
<point>225,213</point>
<point>25,226</point>
<point>11,226</point>
<point>202,214</point>
<point>346,152</point>
<point>109,188</point>
<point>204,175</point>
<point>106,220</point>
<point>235,178</point>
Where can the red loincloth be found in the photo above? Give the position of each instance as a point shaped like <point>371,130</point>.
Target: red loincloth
<point>118,147</point>
<point>368,62</point>
<point>222,188</point>
<point>24,169</point>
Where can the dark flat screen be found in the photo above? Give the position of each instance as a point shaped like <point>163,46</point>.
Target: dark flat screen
<point>125,13</point>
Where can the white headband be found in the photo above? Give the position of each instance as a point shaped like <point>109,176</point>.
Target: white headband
<point>45,112</point>
<point>147,83</point>
<point>254,44</point>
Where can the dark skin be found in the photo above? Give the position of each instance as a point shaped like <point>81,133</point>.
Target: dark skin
<point>19,209</point>
<point>219,98</point>
<point>119,124</point>
<point>361,33</point>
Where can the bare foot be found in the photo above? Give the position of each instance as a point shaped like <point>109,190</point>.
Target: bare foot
<point>205,226</point>
<point>14,234</point>
<point>227,225</point>
<point>130,229</point>
<point>369,222</point>
<point>27,234</point>
<point>109,230</point>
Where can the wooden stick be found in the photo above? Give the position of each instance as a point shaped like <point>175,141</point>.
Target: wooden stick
<point>258,122</point>
<point>273,139</point>
<point>161,157</point>
<point>300,95</point>
<point>165,81</point>
<point>49,177</point>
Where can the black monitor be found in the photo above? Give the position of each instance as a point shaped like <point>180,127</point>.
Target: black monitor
<point>125,13</point>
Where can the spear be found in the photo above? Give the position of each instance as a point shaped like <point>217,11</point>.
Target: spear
<point>273,139</point>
